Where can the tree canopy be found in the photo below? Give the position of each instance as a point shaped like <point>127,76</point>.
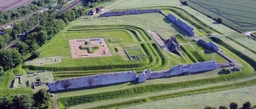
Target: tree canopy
<point>10,58</point>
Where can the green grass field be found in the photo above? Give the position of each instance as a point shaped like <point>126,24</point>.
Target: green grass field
<point>133,39</point>
<point>118,34</point>
<point>54,49</point>
<point>154,22</point>
<point>198,53</point>
<point>124,4</point>
<point>241,18</point>
<point>215,99</point>
<point>243,40</point>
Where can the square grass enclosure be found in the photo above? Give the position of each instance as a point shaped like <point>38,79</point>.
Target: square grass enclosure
<point>59,46</point>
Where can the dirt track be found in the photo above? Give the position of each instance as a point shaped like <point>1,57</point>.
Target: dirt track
<point>12,4</point>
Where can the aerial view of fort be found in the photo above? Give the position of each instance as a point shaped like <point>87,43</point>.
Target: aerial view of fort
<point>130,54</point>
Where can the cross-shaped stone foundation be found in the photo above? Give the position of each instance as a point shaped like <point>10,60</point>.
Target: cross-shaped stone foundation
<point>89,46</point>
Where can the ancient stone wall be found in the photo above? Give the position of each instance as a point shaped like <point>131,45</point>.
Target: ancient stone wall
<point>92,81</point>
<point>181,24</point>
<point>185,69</point>
<point>115,78</point>
<point>211,46</point>
<point>171,18</point>
<point>129,12</point>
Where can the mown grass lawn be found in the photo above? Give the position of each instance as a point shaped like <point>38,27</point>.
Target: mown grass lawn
<point>199,101</point>
<point>198,53</point>
<point>60,47</point>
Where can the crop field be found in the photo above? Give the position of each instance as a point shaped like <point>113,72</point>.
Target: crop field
<point>12,4</point>
<point>215,99</point>
<point>235,13</point>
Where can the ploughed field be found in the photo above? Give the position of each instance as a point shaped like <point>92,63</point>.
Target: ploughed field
<point>12,4</point>
<point>236,13</point>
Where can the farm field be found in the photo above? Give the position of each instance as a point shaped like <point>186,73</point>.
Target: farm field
<point>241,18</point>
<point>215,99</point>
<point>12,4</point>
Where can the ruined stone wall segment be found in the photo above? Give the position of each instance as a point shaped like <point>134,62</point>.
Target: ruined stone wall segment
<point>129,12</point>
<point>202,67</point>
<point>92,81</point>
<point>171,18</point>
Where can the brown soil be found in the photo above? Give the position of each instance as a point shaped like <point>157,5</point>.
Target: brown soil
<point>78,53</point>
<point>12,4</point>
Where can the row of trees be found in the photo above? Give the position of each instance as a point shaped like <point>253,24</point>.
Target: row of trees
<point>11,15</point>
<point>40,100</point>
<point>234,105</point>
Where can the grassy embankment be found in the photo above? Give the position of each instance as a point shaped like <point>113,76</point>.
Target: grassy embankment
<point>122,36</point>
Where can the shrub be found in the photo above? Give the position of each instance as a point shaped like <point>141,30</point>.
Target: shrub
<point>247,105</point>
<point>209,107</point>
<point>219,20</point>
<point>233,105</point>
<point>35,54</point>
<point>223,107</point>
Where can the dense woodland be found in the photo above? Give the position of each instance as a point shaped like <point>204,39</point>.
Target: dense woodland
<point>36,31</point>
<point>11,15</point>
<point>39,100</point>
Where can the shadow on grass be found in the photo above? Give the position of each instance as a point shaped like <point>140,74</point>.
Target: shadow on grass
<point>176,27</point>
